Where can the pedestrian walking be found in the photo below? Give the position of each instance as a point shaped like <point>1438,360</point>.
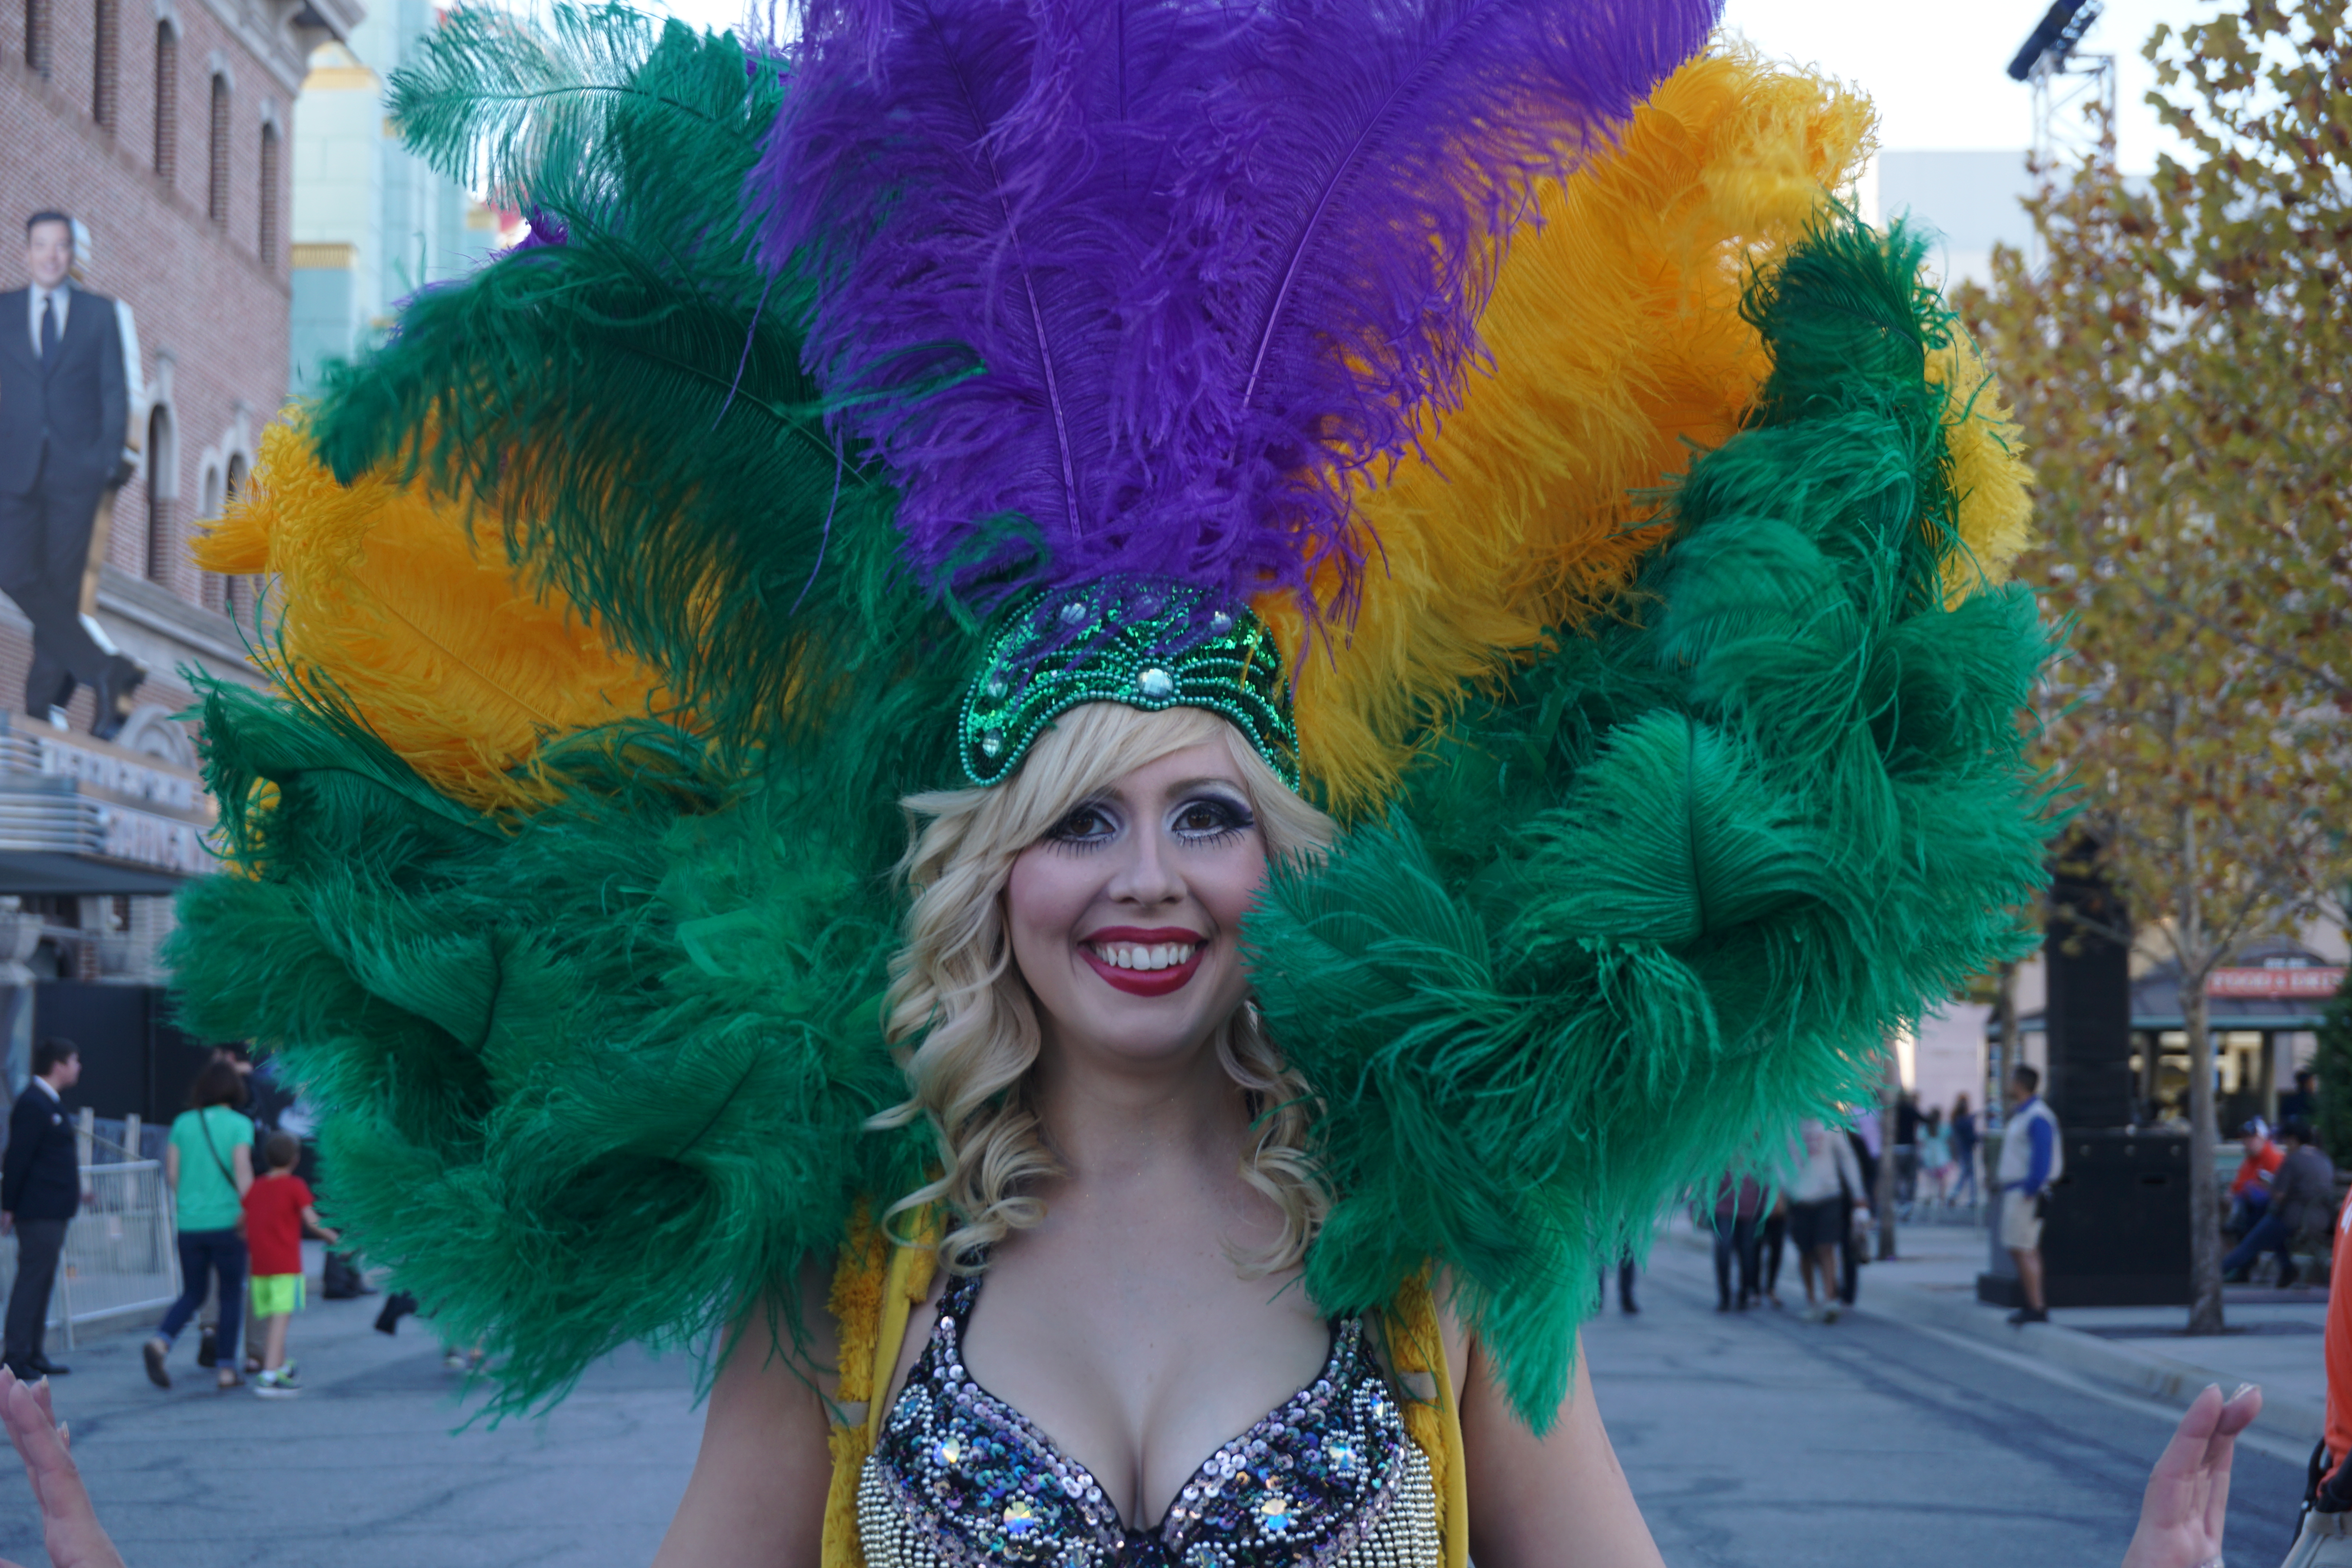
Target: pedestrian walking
<point>2031,1159</point>
<point>40,1193</point>
<point>1907,1122</point>
<point>1739,1206</point>
<point>208,1165</point>
<point>277,1208</point>
<point>1964,1151</point>
<point>2302,1100</point>
<point>1820,1212</point>
<point>1863,1139</point>
<point>1769,1240</point>
<point>1625,1273</point>
<point>1936,1156</point>
<point>2302,1195</point>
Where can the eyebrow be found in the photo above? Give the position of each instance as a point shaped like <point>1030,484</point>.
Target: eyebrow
<point>1206,781</point>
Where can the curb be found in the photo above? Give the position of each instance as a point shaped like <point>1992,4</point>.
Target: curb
<point>2143,1372</point>
<point>2175,1382</point>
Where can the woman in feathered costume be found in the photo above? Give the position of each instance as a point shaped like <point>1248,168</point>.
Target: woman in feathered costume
<point>1433,602</point>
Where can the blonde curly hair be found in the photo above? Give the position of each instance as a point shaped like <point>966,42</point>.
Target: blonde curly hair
<point>957,993</point>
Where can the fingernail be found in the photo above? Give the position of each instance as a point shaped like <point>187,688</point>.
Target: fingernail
<point>2242,1390</point>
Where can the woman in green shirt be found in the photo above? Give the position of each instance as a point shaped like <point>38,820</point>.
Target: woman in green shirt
<point>209,1164</point>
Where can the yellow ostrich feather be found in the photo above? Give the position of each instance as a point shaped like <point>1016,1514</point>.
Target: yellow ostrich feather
<point>1616,345</point>
<point>410,616</point>
<point>1989,471</point>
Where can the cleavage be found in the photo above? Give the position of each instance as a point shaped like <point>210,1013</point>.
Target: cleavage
<point>948,1341</point>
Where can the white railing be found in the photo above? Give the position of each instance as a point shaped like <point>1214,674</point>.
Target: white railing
<point>122,1254</point>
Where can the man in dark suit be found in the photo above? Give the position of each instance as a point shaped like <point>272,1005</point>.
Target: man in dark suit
<point>40,1191</point>
<point>64,407</point>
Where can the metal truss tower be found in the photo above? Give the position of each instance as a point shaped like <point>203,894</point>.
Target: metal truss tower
<point>2074,91</point>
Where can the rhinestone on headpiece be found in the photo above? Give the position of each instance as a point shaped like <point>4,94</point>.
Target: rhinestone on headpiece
<point>1148,644</point>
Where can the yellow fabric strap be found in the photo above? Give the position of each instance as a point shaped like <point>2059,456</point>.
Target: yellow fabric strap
<point>874,1288</point>
<point>1416,1349</point>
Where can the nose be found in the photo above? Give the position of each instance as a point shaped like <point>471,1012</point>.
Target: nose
<point>1147,874</point>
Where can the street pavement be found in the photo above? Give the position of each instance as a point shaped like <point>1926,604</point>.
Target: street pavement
<point>1749,1439</point>
<point>1759,1439</point>
<point>368,1468</point>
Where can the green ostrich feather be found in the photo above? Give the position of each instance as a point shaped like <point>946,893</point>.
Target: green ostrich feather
<point>596,1078</point>
<point>1672,891</point>
<point>629,399</point>
<point>599,1073</point>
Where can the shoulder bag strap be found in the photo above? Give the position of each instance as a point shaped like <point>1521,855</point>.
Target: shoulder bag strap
<point>204,1126</point>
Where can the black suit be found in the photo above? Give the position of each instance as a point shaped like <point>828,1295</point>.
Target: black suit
<point>40,1186</point>
<point>62,419</point>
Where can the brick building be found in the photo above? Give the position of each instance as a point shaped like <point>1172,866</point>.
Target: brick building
<point>164,127</point>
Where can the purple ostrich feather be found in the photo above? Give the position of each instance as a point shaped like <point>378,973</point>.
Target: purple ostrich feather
<point>1214,259</point>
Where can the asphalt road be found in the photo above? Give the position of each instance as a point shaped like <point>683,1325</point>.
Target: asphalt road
<point>1750,1440</point>
<point>1755,1438</point>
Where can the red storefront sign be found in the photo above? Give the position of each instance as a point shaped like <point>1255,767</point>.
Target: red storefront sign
<point>2305,985</point>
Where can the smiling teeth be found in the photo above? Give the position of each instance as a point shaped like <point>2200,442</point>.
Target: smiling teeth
<point>1161,955</point>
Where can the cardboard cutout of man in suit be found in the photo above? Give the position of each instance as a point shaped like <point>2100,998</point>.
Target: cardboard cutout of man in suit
<point>63,408</point>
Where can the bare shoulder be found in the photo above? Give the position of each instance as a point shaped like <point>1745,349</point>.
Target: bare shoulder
<point>759,1480</point>
<point>1544,1491</point>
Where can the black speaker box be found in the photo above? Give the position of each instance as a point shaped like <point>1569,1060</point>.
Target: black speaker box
<point>2088,1011</point>
<point>2115,1230</point>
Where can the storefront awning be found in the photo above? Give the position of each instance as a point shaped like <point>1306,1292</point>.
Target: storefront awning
<point>79,818</point>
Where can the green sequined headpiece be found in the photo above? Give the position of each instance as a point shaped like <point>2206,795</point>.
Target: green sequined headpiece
<point>1148,644</point>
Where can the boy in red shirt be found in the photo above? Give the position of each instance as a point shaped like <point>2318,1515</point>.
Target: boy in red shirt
<point>277,1208</point>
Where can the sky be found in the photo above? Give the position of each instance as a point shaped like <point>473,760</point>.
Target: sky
<point>1944,86</point>
<point>1938,85</point>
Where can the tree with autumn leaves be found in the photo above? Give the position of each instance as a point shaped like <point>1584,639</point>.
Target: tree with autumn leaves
<point>2182,366</point>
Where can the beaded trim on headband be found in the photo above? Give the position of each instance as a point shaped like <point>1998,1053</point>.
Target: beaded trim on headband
<point>1150,644</point>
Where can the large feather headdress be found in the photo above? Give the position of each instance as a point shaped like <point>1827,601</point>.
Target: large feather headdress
<point>1635,506</point>
<point>1192,274</point>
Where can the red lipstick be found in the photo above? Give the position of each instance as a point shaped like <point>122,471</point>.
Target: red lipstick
<point>1145,982</point>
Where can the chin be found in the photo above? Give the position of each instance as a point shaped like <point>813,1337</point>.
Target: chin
<point>1157,1028</point>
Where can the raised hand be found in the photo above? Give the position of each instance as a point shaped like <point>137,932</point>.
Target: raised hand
<point>69,1527</point>
<point>2188,1497</point>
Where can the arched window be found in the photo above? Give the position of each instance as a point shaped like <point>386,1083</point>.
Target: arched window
<point>216,188</point>
<point>266,239</point>
<point>162,490</point>
<point>106,55</point>
<point>40,18</point>
<point>167,100</point>
<point>208,497</point>
<point>236,593</point>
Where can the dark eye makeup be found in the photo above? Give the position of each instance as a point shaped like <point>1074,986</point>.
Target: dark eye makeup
<point>1211,819</point>
<point>1205,820</point>
<point>1089,823</point>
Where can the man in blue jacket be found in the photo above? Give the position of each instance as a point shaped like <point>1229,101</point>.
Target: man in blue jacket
<point>40,1190</point>
<point>2031,1158</point>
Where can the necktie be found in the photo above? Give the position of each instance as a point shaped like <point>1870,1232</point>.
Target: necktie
<point>49,326</point>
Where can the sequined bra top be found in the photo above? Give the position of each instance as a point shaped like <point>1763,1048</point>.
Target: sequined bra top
<point>1328,1479</point>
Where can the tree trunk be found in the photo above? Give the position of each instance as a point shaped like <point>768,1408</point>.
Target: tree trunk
<point>2001,1063</point>
<point>2204,1202</point>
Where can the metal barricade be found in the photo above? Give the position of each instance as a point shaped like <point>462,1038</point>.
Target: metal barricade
<point>122,1254</point>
